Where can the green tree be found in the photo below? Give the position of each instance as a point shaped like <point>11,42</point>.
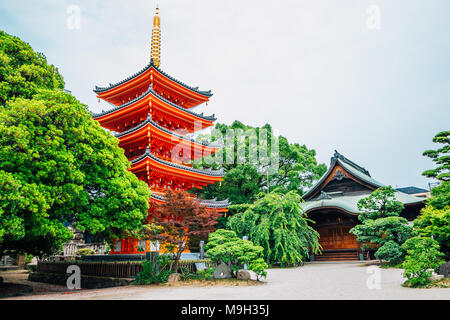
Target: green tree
<point>225,247</point>
<point>435,223</point>
<point>441,157</point>
<point>58,165</point>
<point>23,71</point>
<point>244,180</point>
<point>382,227</point>
<point>440,196</point>
<point>277,223</point>
<point>422,258</point>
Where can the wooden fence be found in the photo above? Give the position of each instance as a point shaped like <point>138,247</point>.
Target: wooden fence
<point>108,269</point>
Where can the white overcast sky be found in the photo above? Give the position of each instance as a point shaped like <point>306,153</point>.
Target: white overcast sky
<point>312,69</point>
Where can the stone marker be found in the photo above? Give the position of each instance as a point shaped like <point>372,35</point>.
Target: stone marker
<point>174,277</point>
<point>199,266</point>
<point>436,277</point>
<point>444,269</point>
<point>222,272</point>
<point>243,275</point>
<point>202,250</point>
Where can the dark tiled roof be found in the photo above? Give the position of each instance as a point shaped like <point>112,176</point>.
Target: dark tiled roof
<point>154,124</point>
<point>208,172</point>
<point>145,94</point>
<point>150,65</point>
<point>337,155</point>
<point>412,190</point>
<point>348,165</point>
<point>213,203</point>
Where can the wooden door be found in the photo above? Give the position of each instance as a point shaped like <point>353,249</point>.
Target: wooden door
<point>337,237</point>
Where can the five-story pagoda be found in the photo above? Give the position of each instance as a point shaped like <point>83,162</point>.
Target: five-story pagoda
<point>151,117</point>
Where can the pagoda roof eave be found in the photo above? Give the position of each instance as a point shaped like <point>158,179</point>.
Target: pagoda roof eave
<point>100,90</point>
<point>149,121</point>
<point>211,203</point>
<point>150,91</point>
<point>148,154</point>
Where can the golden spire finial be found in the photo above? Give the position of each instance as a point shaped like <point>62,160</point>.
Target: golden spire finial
<point>156,39</point>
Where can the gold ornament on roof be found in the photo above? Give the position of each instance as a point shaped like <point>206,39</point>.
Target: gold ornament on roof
<point>156,39</point>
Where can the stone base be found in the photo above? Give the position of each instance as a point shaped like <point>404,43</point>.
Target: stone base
<point>87,282</point>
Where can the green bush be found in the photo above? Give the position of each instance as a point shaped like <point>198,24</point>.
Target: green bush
<point>225,247</point>
<point>84,252</point>
<point>32,267</point>
<point>391,252</point>
<point>150,273</point>
<point>28,258</point>
<point>435,223</point>
<point>259,267</point>
<point>206,274</point>
<point>423,256</point>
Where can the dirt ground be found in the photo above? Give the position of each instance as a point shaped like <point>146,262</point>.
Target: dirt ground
<point>20,277</point>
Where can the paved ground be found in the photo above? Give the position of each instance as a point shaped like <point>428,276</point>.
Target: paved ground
<point>313,281</point>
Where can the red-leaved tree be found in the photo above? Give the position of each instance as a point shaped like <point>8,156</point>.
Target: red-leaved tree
<point>181,217</point>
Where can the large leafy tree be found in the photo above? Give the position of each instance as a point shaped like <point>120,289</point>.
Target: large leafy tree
<point>244,179</point>
<point>277,223</point>
<point>58,165</point>
<point>434,220</point>
<point>441,157</point>
<point>23,71</point>
<point>435,223</point>
<point>382,227</point>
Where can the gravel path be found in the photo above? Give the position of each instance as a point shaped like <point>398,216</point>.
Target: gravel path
<point>313,281</point>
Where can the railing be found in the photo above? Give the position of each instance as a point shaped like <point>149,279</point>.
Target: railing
<point>98,269</point>
<point>109,269</point>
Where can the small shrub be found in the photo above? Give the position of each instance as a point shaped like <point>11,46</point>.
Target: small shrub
<point>185,274</point>
<point>85,252</point>
<point>422,258</point>
<point>259,267</point>
<point>205,274</point>
<point>28,258</point>
<point>150,275</point>
<point>32,267</point>
<point>391,252</point>
<point>225,247</point>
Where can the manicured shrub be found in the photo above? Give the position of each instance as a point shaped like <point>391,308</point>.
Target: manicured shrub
<point>423,256</point>
<point>391,252</point>
<point>225,247</point>
<point>381,225</point>
<point>84,252</point>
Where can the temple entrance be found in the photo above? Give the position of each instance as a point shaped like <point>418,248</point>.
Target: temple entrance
<point>333,226</point>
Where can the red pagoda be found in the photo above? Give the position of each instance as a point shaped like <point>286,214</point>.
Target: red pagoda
<point>152,118</point>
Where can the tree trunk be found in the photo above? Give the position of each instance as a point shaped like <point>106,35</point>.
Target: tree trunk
<point>180,250</point>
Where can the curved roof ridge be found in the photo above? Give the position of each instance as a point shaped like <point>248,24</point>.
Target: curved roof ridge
<point>348,165</point>
<point>147,67</point>
<point>213,173</point>
<point>337,155</point>
<point>213,203</point>
<point>150,121</point>
<point>199,115</point>
<point>145,94</point>
<point>121,106</point>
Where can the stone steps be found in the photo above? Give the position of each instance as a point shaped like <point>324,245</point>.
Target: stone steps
<point>337,256</point>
